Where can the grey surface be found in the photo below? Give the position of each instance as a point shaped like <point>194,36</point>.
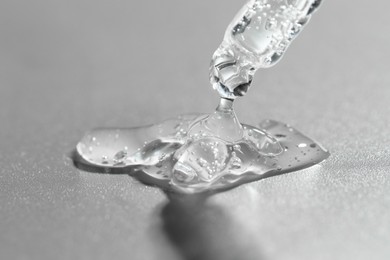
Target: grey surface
<point>69,66</point>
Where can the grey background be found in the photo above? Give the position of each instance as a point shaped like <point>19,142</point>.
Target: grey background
<point>69,66</point>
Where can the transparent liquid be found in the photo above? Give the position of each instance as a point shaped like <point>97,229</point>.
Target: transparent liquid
<point>197,153</point>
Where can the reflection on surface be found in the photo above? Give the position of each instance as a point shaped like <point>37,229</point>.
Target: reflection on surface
<point>197,228</point>
<point>203,231</point>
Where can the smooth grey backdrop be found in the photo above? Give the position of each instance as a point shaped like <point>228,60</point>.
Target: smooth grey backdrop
<point>69,66</point>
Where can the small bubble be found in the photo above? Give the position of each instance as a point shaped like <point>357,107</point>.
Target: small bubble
<point>120,155</point>
<point>268,61</point>
<point>271,24</point>
<point>237,148</point>
<point>202,162</point>
<point>104,159</point>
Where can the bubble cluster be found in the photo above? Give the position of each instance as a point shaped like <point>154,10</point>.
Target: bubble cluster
<point>257,38</point>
